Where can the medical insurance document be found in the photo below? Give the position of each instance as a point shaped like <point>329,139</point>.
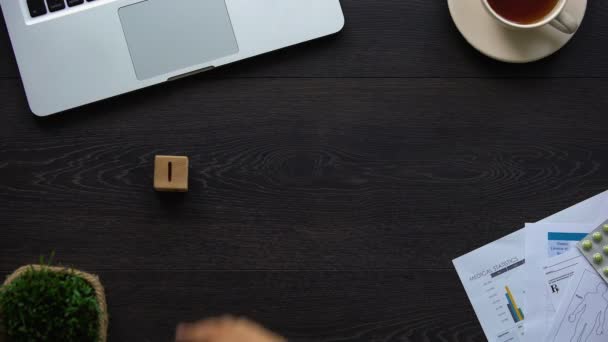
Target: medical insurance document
<point>583,314</point>
<point>544,242</point>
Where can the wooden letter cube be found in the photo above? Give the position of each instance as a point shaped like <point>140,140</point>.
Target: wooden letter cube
<point>171,173</point>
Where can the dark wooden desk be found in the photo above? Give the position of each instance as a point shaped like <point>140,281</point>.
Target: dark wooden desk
<point>331,183</point>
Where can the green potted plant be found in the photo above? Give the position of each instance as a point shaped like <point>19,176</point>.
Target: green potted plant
<point>47,303</point>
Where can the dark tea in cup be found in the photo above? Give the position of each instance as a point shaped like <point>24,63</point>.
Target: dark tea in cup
<point>523,12</point>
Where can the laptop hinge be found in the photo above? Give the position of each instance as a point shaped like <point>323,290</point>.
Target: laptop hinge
<point>190,73</point>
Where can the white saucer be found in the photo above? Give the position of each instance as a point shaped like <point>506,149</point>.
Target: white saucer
<point>496,41</point>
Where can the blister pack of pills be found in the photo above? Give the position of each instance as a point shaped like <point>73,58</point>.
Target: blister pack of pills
<point>595,248</point>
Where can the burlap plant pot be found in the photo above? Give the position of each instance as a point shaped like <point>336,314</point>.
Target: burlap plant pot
<point>93,280</point>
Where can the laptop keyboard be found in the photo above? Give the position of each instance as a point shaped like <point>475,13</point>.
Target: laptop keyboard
<point>41,7</point>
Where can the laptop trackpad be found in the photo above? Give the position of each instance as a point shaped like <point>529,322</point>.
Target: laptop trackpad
<point>168,35</point>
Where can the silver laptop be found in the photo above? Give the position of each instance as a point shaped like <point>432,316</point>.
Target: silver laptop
<point>74,52</point>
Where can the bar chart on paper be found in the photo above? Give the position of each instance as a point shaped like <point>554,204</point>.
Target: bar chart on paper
<point>494,277</point>
<point>516,313</point>
<point>505,292</point>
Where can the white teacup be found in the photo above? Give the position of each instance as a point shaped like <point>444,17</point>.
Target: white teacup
<point>558,18</point>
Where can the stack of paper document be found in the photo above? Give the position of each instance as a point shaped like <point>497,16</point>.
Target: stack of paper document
<point>534,285</point>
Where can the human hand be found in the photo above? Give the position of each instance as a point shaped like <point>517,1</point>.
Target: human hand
<point>225,329</point>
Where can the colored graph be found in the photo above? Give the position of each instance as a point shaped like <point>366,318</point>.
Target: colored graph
<point>516,312</point>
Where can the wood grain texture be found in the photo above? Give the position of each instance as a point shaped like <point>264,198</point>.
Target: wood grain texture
<point>331,184</point>
<point>414,38</point>
<point>337,174</point>
<point>302,305</point>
